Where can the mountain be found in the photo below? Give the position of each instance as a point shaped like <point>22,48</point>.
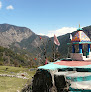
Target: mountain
<point>21,37</point>
<point>23,41</point>
<point>10,34</point>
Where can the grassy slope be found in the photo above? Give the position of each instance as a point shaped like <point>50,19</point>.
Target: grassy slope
<point>12,84</point>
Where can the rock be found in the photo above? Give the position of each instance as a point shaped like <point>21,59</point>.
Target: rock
<point>44,81</point>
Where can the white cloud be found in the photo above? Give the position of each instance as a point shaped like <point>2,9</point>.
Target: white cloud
<point>41,34</point>
<point>0,4</point>
<point>10,7</point>
<point>59,32</point>
<point>62,31</point>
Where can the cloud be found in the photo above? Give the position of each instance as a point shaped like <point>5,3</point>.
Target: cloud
<point>10,7</point>
<point>41,34</point>
<point>59,32</point>
<point>62,31</point>
<point>0,4</point>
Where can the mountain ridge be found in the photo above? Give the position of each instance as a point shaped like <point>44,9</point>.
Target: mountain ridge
<point>23,38</point>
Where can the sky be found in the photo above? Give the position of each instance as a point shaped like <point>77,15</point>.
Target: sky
<point>46,17</point>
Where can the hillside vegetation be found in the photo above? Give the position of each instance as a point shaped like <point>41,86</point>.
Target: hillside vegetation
<point>8,57</point>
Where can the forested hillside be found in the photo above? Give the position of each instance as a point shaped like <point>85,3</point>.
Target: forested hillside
<point>8,57</point>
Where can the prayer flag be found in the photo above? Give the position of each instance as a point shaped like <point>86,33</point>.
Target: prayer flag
<point>56,41</point>
<point>70,37</point>
<point>46,62</point>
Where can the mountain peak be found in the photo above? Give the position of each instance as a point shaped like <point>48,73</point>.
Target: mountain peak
<point>11,33</point>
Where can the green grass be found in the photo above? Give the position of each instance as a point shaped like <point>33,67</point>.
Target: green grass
<point>8,84</point>
<point>12,84</point>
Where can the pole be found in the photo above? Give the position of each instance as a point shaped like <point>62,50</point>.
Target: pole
<point>80,48</point>
<point>54,53</point>
<point>68,52</point>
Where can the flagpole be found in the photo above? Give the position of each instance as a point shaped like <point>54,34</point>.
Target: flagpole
<point>68,52</point>
<point>57,43</point>
<point>54,53</point>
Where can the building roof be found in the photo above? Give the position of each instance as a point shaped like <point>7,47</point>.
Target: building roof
<point>80,36</point>
<point>73,63</point>
<point>79,29</point>
<point>79,43</point>
<point>67,65</point>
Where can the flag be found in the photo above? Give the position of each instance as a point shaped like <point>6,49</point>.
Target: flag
<point>70,37</point>
<point>46,62</point>
<point>56,41</point>
<point>35,58</point>
<point>40,38</point>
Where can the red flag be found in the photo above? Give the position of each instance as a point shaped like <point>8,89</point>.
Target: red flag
<point>40,38</point>
<point>35,58</point>
<point>46,62</point>
<point>56,41</point>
